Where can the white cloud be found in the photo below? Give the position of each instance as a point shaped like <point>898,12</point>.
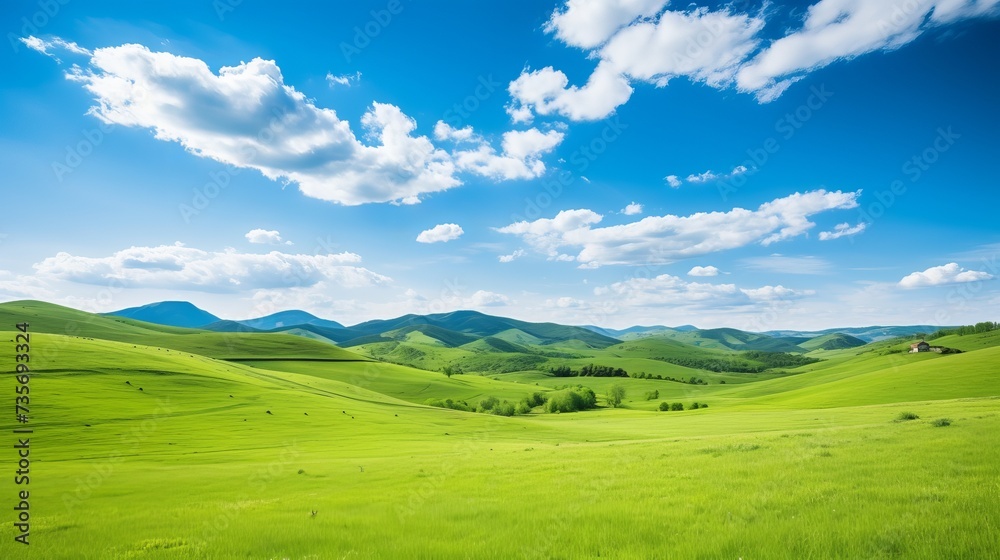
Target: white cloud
<point>440,233</point>
<point>710,175</point>
<point>842,29</point>
<point>639,41</point>
<point>483,298</point>
<point>547,91</point>
<point>631,42</point>
<point>246,116</point>
<point>703,271</point>
<point>632,209</point>
<point>265,237</point>
<point>345,80</point>
<point>520,159</point>
<point>774,293</point>
<point>950,273</point>
<point>47,46</point>
<point>184,268</point>
<point>702,177</point>
<point>565,303</point>
<point>673,180</point>
<point>664,239</point>
<point>842,230</point>
<point>511,257</point>
<point>589,23</point>
<point>667,290</point>
<point>444,131</point>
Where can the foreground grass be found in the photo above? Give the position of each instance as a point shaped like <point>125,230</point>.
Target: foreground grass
<point>214,459</point>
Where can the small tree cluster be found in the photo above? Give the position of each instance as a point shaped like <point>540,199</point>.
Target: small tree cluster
<point>653,395</point>
<point>978,328</point>
<point>589,370</point>
<point>571,400</point>
<point>616,393</point>
<point>664,406</point>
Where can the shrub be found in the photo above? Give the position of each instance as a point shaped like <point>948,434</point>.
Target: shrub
<point>535,399</point>
<point>941,422</point>
<point>677,406</point>
<point>523,407</point>
<point>653,395</point>
<point>695,406</point>
<point>904,416</point>
<point>664,406</point>
<point>571,400</point>
<point>616,392</point>
<point>504,409</point>
<point>487,404</point>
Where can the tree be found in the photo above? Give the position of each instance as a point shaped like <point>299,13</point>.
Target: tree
<point>616,392</point>
<point>664,406</point>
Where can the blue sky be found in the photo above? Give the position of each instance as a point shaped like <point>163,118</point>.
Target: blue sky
<point>756,165</point>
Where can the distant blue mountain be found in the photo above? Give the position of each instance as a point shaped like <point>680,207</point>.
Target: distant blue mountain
<point>285,319</point>
<point>172,313</point>
<point>639,330</point>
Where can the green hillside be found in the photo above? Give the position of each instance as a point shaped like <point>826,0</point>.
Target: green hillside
<point>833,341</point>
<point>282,457</point>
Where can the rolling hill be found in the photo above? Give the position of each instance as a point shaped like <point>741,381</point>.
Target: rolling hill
<point>286,319</point>
<point>833,341</point>
<point>171,313</point>
<point>273,456</point>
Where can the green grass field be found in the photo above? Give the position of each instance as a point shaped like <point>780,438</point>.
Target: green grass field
<point>217,458</point>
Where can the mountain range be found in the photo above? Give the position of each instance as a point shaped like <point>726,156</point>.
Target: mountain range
<point>424,340</point>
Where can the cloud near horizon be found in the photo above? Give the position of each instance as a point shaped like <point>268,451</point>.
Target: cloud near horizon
<point>665,239</point>
<point>185,268</point>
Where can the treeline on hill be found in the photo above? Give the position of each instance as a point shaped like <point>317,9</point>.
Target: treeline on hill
<point>751,361</point>
<point>589,370</point>
<point>493,405</point>
<point>978,328</point>
<point>569,399</point>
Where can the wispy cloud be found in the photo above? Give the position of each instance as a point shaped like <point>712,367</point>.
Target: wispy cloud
<point>788,265</point>
<point>178,267</point>
<point>842,230</point>
<point>346,80</point>
<point>638,41</point>
<point>664,239</point>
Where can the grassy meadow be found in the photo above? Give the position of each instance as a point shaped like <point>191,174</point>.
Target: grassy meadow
<point>153,442</point>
